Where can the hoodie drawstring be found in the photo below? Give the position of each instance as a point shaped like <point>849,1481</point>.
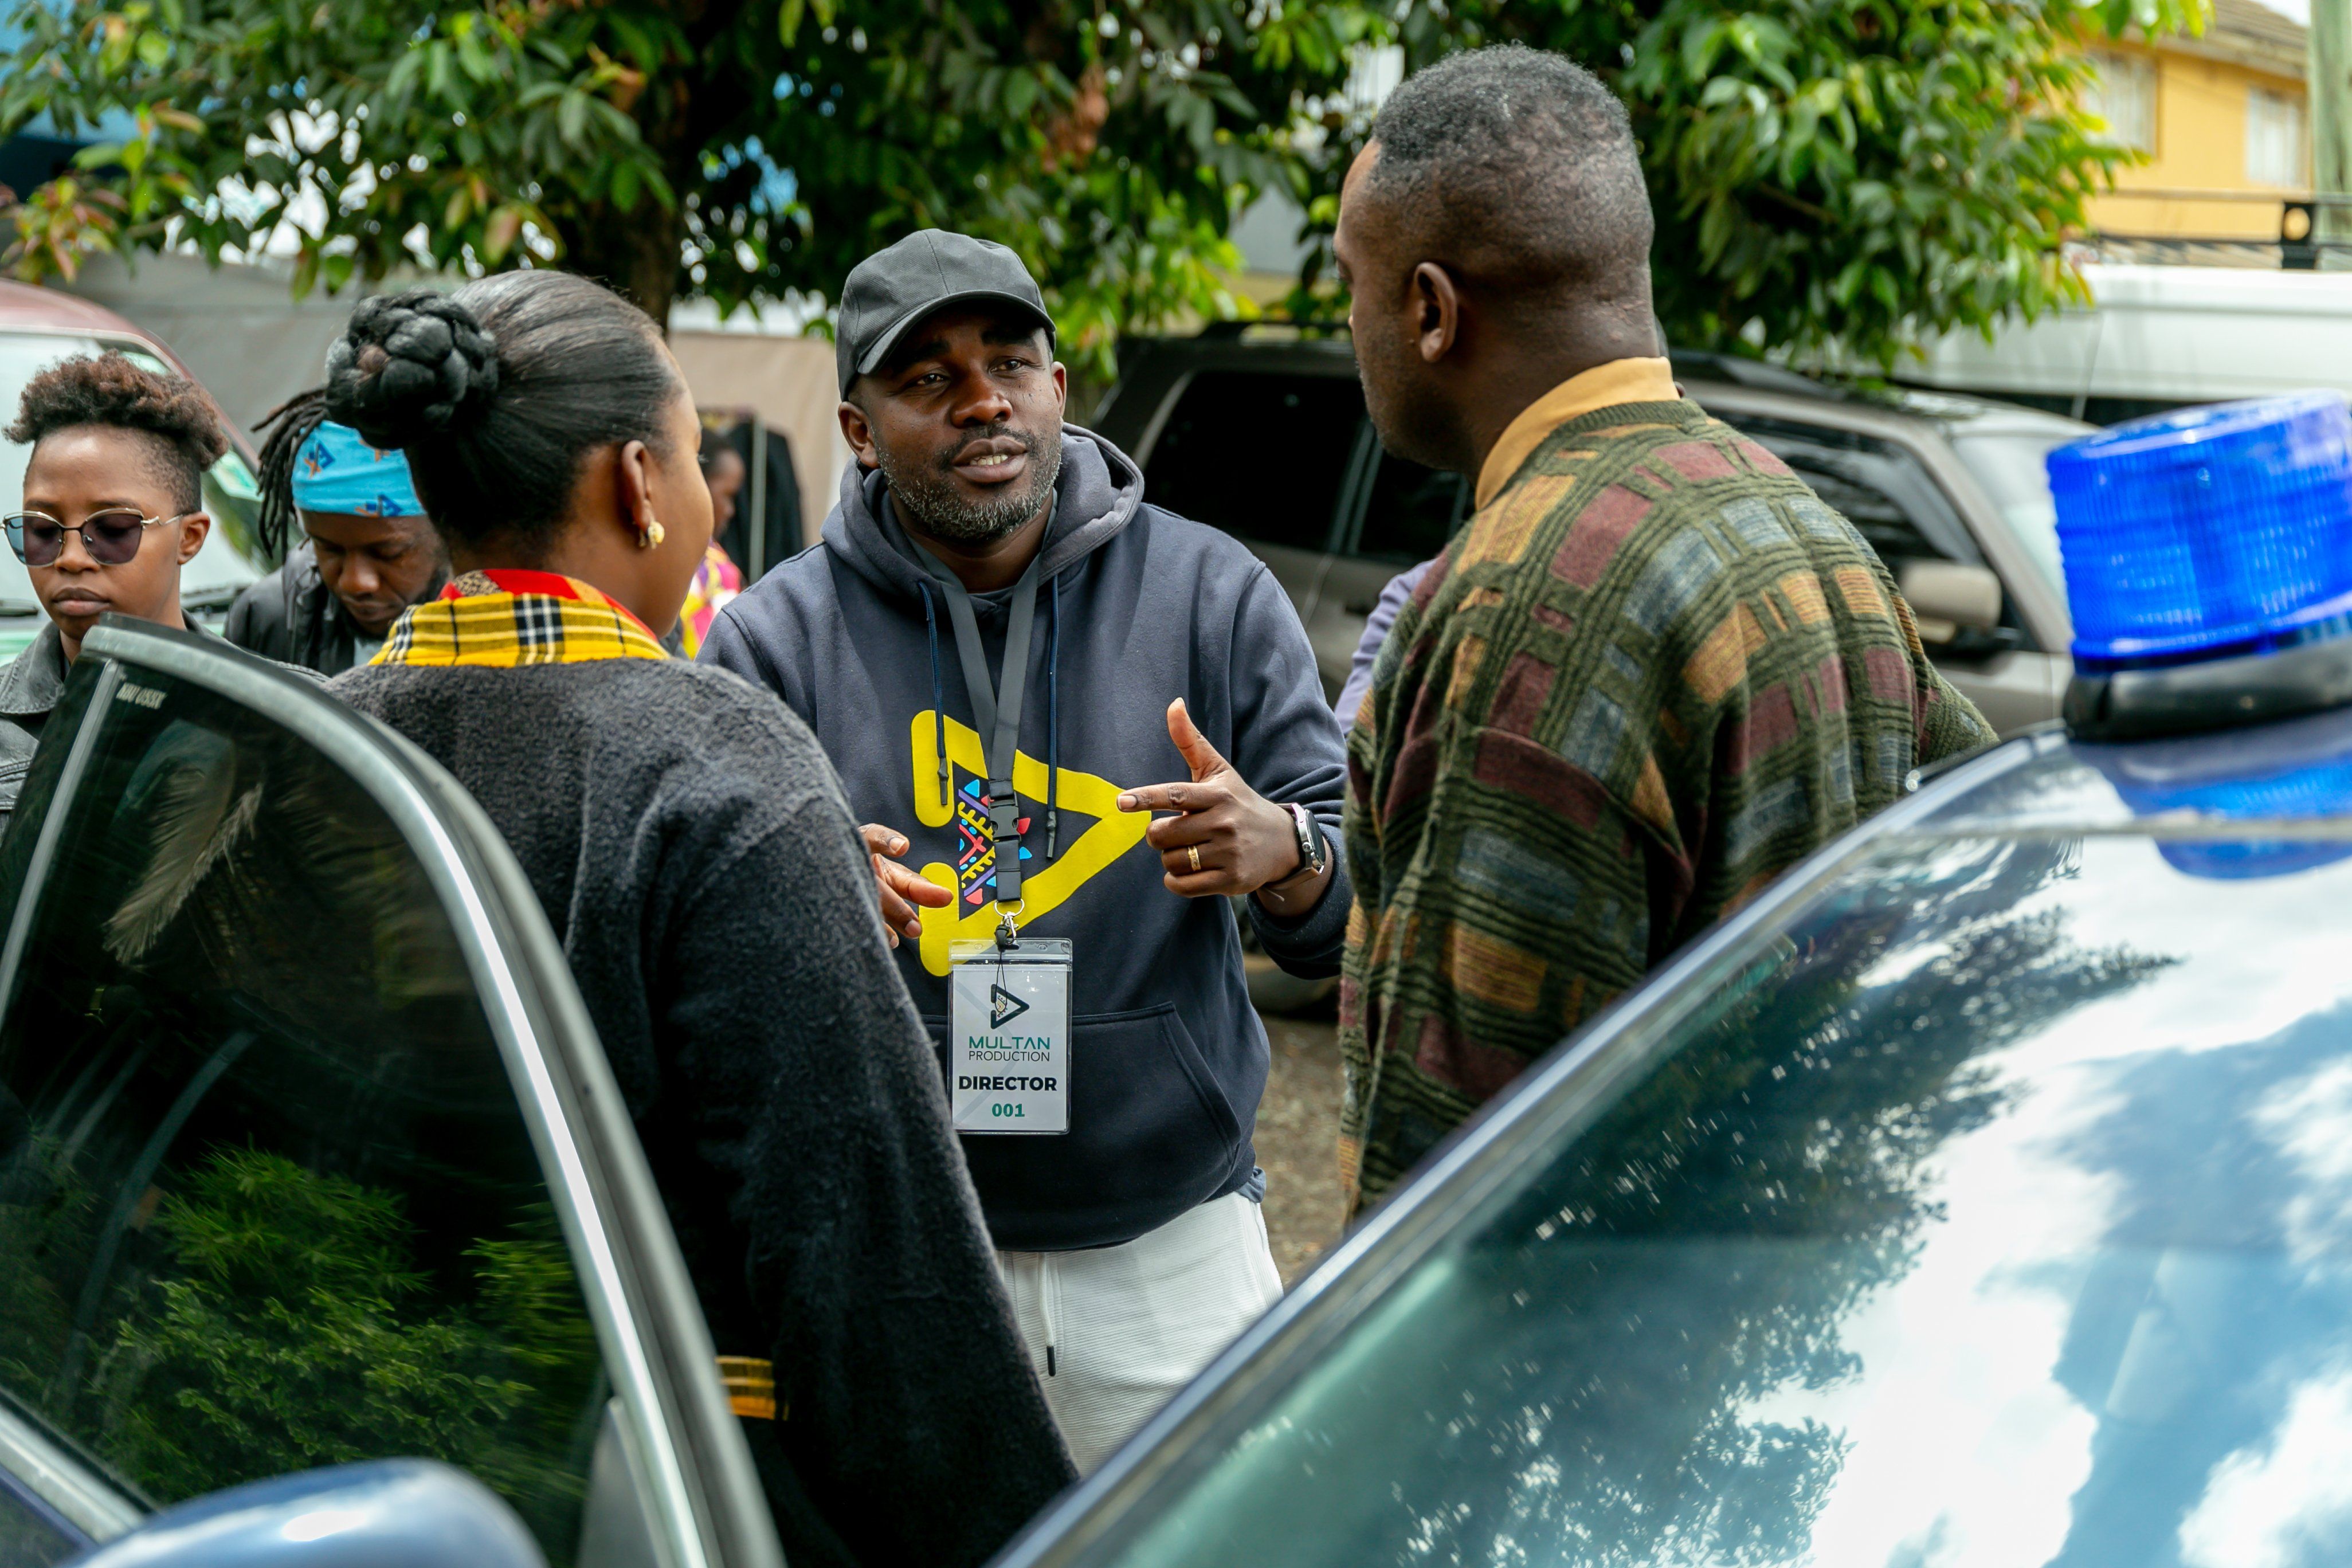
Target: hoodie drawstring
<point>1049,1305</point>
<point>1053,708</point>
<point>1053,705</point>
<point>939,694</point>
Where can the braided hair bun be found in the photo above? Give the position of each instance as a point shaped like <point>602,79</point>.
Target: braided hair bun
<point>499,391</point>
<point>411,366</point>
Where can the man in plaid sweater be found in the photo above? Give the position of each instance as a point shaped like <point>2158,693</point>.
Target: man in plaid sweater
<point>1651,673</point>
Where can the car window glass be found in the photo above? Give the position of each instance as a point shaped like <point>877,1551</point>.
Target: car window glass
<point>266,1199</point>
<point>1263,456</point>
<point>1990,1212</point>
<point>2011,466</point>
<point>33,1534</point>
<point>1410,512</point>
<point>1881,488</point>
<point>226,565</point>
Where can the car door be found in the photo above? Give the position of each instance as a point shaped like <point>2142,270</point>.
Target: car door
<point>1886,491</point>
<point>308,1150</point>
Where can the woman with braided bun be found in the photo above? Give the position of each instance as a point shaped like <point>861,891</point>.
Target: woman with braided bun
<point>675,823</point>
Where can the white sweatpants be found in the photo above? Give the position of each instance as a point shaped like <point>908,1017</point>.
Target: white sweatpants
<point>1115,1331</point>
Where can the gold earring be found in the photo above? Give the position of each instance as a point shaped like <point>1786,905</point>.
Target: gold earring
<point>653,535</point>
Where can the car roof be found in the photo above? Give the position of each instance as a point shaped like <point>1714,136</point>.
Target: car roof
<point>2286,779</point>
<point>2291,779</point>
<point>24,305</point>
<point>1729,380</point>
<point>24,308</point>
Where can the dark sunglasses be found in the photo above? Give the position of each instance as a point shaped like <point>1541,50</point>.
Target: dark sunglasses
<point>111,537</point>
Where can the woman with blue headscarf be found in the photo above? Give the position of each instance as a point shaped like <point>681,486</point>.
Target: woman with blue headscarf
<point>368,551</point>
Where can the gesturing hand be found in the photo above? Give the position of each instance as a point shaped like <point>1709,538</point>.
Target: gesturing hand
<point>1226,837</point>
<point>901,889</point>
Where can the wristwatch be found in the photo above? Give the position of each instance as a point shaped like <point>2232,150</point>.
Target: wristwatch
<point>1314,850</point>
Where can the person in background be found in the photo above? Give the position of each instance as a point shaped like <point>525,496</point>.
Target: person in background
<point>368,551</point>
<point>722,467</point>
<point>982,548</point>
<point>1376,632</point>
<point>671,818</point>
<point>717,580</point>
<point>113,506</point>
<point>1653,671</point>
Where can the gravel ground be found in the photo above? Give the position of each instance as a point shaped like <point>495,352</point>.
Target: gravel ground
<point>1298,1141</point>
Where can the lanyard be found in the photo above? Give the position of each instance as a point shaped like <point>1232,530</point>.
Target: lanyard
<point>996,709</point>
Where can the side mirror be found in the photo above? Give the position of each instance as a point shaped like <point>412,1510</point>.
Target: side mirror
<point>390,1513</point>
<point>1949,598</point>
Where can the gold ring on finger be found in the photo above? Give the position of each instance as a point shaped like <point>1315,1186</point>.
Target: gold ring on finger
<point>1193,852</point>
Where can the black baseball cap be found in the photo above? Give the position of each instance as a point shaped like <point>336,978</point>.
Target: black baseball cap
<point>892,289</point>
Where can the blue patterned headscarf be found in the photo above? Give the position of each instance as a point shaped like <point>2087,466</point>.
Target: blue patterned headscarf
<point>338,472</point>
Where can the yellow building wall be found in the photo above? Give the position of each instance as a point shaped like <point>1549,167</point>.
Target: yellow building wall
<point>2200,145</point>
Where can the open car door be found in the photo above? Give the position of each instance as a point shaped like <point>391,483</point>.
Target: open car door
<point>309,1157</point>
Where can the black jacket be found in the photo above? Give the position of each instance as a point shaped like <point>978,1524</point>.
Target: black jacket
<point>30,685</point>
<point>291,616</point>
<point>693,851</point>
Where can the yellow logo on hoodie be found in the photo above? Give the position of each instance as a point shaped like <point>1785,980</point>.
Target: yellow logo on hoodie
<point>1114,833</point>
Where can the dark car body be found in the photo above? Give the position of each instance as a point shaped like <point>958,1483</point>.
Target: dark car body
<point>1977,1195</point>
<point>1263,434</point>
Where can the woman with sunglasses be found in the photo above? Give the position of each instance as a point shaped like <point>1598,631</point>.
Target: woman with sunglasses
<point>696,857</point>
<point>113,506</point>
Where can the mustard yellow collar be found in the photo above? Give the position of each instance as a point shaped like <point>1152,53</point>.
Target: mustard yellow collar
<point>1619,381</point>
<point>503,618</point>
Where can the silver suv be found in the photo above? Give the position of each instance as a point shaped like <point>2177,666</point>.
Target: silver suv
<point>1265,436</point>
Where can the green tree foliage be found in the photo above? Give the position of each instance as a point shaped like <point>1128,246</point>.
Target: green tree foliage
<point>725,147</point>
<point>297,1332</point>
<point>290,1326</point>
<point>1843,175</point>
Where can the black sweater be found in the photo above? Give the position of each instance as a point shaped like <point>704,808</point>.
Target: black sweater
<point>694,853</point>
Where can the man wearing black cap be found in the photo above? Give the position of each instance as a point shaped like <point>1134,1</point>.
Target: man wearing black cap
<point>1074,951</point>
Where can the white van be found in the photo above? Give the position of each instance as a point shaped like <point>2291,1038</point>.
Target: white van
<point>2157,338</point>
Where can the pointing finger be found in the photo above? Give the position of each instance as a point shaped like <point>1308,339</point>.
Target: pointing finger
<point>912,885</point>
<point>897,918</point>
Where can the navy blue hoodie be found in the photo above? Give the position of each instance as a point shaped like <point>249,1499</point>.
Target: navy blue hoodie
<point>1137,606</point>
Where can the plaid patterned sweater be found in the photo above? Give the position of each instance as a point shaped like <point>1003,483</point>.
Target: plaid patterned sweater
<point>1653,673</point>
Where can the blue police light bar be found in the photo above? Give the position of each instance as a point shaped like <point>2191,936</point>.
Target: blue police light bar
<point>2208,565</point>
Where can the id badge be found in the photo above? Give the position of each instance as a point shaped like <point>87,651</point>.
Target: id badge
<point>1009,1042</point>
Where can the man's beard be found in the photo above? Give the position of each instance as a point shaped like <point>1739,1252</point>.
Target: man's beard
<point>926,492</point>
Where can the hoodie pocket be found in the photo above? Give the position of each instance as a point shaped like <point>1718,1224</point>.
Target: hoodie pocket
<point>1152,1134</point>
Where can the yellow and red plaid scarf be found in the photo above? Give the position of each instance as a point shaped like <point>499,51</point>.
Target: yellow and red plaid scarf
<point>500,620</point>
